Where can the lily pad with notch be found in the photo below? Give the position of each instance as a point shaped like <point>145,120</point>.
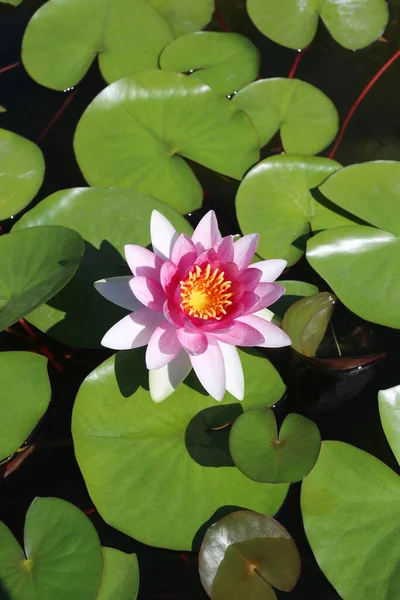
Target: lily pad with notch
<point>266,456</point>
<point>120,579</point>
<point>137,132</point>
<point>305,117</point>
<point>62,557</point>
<point>35,264</point>
<point>244,554</point>
<point>224,61</point>
<point>114,415</point>
<point>107,219</point>
<point>291,23</point>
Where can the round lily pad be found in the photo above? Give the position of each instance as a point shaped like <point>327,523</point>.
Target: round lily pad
<point>137,132</point>
<point>263,455</point>
<point>294,290</point>
<point>362,266</point>
<point>64,37</point>
<point>35,264</point>
<point>224,61</point>
<point>120,576</point>
<point>24,397</point>
<point>12,2</point>
<point>389,408</point>
<point>168,453</point>
<point>22,172</point>
<point>62,557</point>
<point>308,121</point>
<point>350,506</point>
<point>107,219</point>
<point>291,23</point>
<point>246,553</point>
<point>275,199</point>
<point>306,322</point>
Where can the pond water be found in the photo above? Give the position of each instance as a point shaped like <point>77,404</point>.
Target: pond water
<point>343,404</point>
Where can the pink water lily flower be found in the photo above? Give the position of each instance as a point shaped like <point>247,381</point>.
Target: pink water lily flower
<point>193,301</point>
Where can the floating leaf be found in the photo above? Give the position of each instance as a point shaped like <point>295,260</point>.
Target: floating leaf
<point>307,119</point>
<point>306,322</point>
<point>22,171</point>
<point>135,133</point>
<point>263,455</point>
<point>389,408</point>
<point>107,219</point>
<point>24,397</point>
<point>64,37</point>
<point>2,109</point>
<point>120,576</point>
<point>362,266</point>
<point>62,557</point>
<point>294,290</point>
<point>244,554</point>
<point>350,506</point>
<point>12,2</point>
<point>293,23</point>
<point>168,453</point>
<point>274,199</point>
<point>370,191</point>
<point>34,265</point>
<point>224,61</point>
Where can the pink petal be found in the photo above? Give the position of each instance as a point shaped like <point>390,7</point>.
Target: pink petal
<point>224,249</point>
<point>250,278</point>
<point>148,292</point>
<point>193,341</point>
<point>142,261</point>
<point>163,346</point>
<point>239,334</point>
<point>206,233</point>
<point>163,382</point>
<point>271,269</point>
<point>245,249</point>
<point>169,277</point>
<point>233,371</point>
<point>163,235</point>
<point>268,293</point>
<point>173,314</point>
<point>132,331</point>
<point>274,337</point>
<point>210,369</point>
<point>183,253</point>
<point>118,291</point>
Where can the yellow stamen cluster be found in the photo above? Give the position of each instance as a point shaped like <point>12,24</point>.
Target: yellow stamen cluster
<point>204,294</point>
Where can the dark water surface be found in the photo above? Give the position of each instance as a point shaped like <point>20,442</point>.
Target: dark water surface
<point>344,405</point>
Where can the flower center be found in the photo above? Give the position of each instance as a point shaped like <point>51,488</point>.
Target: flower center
<point>205,294</point>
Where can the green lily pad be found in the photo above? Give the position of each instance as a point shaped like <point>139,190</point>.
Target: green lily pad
<point>107,219</point>
<point>136,132</point>
<point>2,109</point>
<point>306,322</point>
<point>22,171</point>
<point>275,199</point>
<point>35,264</point>
<point>308,121</point>
<point>294,290</point>
<point>120,576</point>
<point>12,2</point>
<point>291,23</point>
<point>224,61</point>
<point>246,553</point>
<point>370,191</point>
<point>263,455</point>
<point>361,265</point>
<point>64,37</point>
<point>389,409</point>
<point>62,557</point>
<point>350,506</point>
<point>168,453</point>
<point>24,397</point>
